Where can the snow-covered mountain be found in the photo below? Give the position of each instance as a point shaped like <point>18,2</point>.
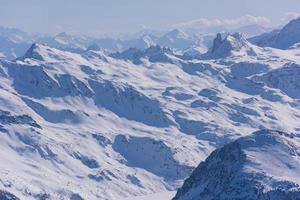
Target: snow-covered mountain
<point>140,42</point>
<point>14,34</point>
<point>264,165</point>
<point>13,43</point>
<point>153,54</point>
<point>251,30</point>
<point>232,44</point>
<point>177,39</point>
<point>64,41</point>
<point>285,38</point>
<point>205,27</point>
<point>10,49</point>
<point>224,45</point>
<point>101,125</point>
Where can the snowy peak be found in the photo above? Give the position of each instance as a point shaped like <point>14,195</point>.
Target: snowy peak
<point>66,42</point>
<point>230,45</point>
<point>176,39</point>
<point>41,53</point>
<point>289,35</point>
<point>158,50</point>
<point>242,170</point>
<point>153,54</point>
<point>285,38</point>
<point>36,51</point>
<point>142,42</point>
<point>71,41</point>
<point>236,41</point>
<point>293,25</point>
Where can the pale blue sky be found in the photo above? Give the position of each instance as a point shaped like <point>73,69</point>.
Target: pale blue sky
<point>121,16</point>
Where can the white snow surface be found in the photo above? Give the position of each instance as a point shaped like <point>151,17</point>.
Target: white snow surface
<point>160,196</point>
<point>105,128</point>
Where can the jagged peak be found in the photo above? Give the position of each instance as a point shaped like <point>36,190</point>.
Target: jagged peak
<point>236,41</point>
<point>153,49</point>
<point>231,44</point>
<point>36,52</point>
<point>39,52</point>
<point>155,53</point>
<point>158,49</point>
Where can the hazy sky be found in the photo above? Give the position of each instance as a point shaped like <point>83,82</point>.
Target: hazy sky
<point>120,16</point>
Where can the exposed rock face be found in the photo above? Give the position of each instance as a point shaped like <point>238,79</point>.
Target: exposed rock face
<point>217,42</point>
<point>7,196</point>
<point>264,165</point>
<point>232,44</point>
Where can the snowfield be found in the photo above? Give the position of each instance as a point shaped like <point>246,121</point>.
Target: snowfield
<point>100,125</point>
<point>160,196</point>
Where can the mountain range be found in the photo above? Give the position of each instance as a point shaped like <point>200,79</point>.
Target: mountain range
<point>15,42</point>
<point>82,121</point>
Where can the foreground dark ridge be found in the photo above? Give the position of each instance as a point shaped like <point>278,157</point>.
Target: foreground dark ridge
<point>262,166</point>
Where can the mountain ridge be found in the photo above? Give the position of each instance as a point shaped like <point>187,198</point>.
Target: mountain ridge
<point>107,127</point>
<point>241,170</point>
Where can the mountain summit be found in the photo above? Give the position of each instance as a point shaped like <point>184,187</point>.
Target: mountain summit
<point>232,44</point>
<point>285,38</point>
<point>34,52</point>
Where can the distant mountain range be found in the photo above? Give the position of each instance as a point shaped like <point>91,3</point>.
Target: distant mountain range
<point>15,42</point>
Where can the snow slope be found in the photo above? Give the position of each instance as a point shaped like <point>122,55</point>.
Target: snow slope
<point>160,196</point>
<point>100,126</point>
<point>261,166</point>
